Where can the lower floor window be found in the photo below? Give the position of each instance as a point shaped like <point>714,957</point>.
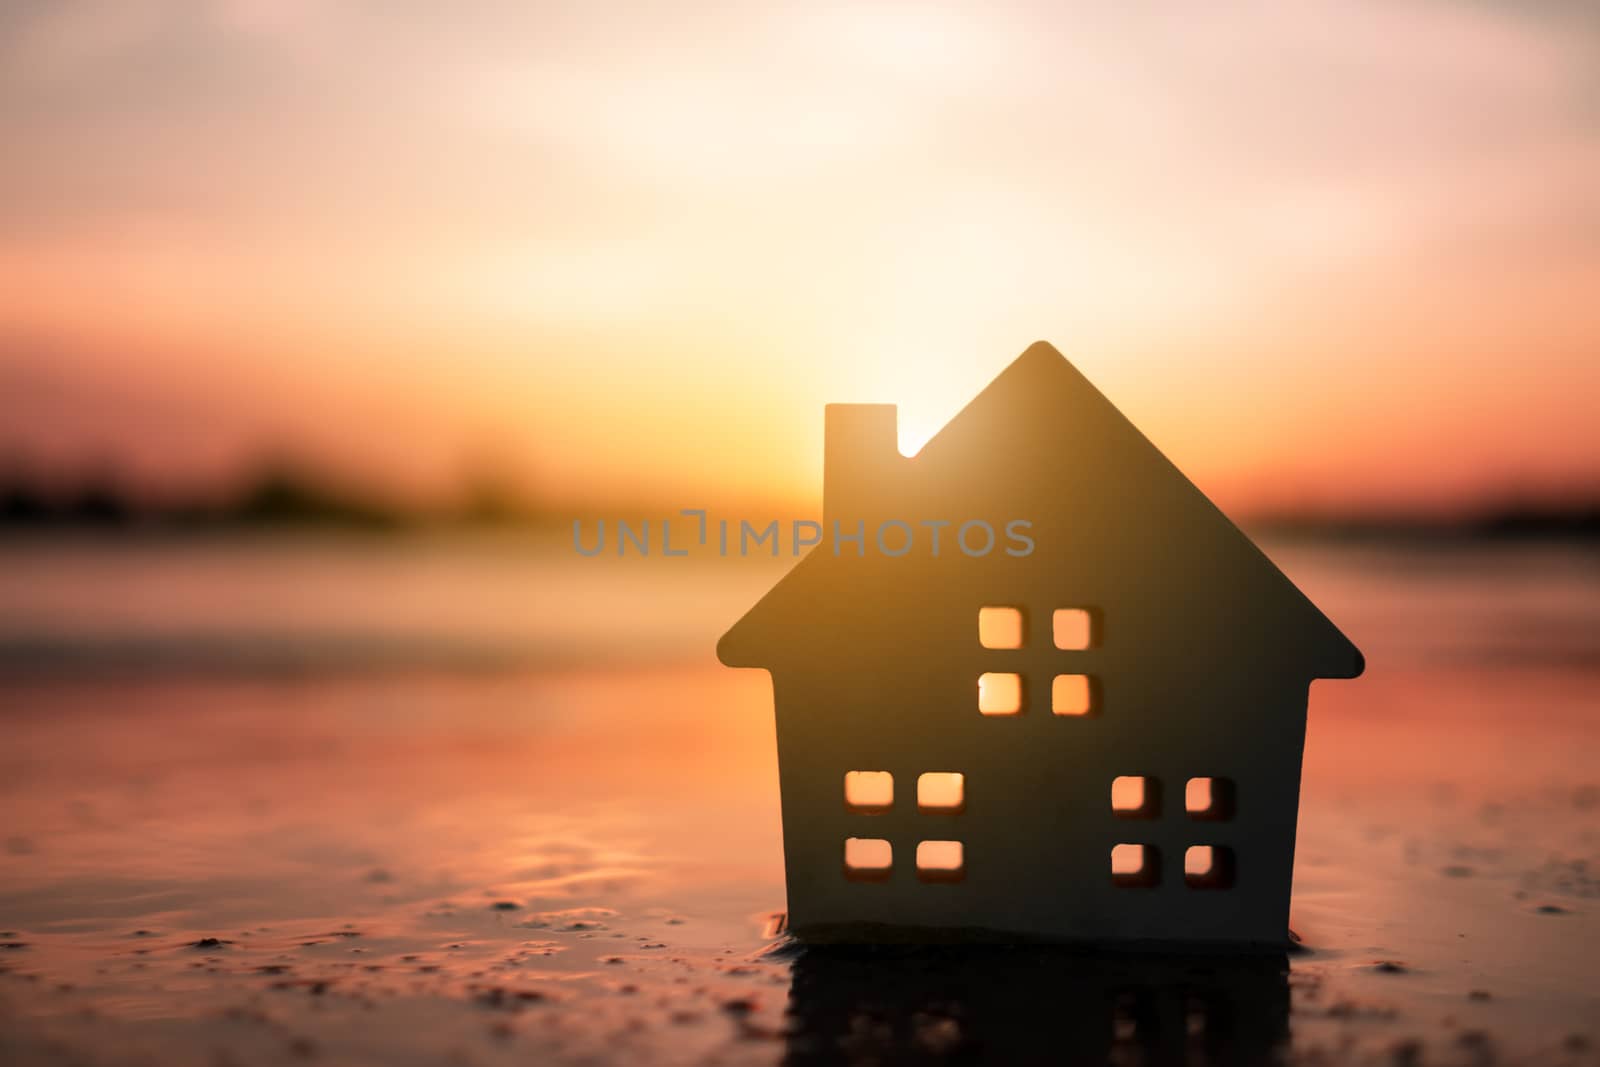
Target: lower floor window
<point>1135,866</point>
<point>941,861</point>
<point>868,859</point>
<point>871,859</point>
<point>1209,867</point>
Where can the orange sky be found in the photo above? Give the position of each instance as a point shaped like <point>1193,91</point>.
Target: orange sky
<point>1333,254</point>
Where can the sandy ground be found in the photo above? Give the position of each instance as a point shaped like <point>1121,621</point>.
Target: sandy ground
<point>583,866</point>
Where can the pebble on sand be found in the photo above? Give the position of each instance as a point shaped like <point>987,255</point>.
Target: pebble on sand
<point>210,942</point>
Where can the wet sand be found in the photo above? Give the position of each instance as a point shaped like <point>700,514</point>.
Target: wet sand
<point>583,865</point>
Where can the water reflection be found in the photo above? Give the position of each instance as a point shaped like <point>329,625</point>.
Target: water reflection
<point>1004,1004</point>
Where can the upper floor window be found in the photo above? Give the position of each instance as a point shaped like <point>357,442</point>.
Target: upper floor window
<point>1074,629</point>
<point>1000,694</point>
<point>1006,692</point>
<point>1000,627</point>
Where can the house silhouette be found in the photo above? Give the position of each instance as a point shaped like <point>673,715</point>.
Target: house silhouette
<point>1098,740</point>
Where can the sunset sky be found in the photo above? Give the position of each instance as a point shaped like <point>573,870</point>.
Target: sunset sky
<point>1324,254</point>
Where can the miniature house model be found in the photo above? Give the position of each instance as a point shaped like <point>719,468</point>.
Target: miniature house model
<point>1090,730</point>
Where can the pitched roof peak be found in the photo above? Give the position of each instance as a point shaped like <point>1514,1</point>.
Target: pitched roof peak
<point>1041,436</point>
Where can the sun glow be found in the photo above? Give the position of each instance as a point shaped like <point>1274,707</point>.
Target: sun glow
<point>695,233</point>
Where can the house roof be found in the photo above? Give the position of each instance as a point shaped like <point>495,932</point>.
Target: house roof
<point>1041,393</point>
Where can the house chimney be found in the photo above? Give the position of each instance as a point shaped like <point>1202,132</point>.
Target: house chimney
<point>861,449</point>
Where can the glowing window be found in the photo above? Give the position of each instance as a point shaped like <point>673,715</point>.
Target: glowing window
<point>868,859</point>
<point>1210,799</point>
<point>941,861</point>
<point>1000,627</point>
<point>1135,866</point>
<point>1133,797</point>
<point>941,792</point>
<point>1208,867</point>
<point>868,792</point>
<point>1000,694</point>
<point>1074,628</point>
<point>1072,694</point>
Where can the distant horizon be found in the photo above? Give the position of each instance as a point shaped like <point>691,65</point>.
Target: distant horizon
<point>288,494</point>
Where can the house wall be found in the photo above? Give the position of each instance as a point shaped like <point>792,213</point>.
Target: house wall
<point>1037,828</point>
<point>899,694</point>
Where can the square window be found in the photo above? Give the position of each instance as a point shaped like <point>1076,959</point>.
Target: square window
<point>1075,629</point>
<point>1208,867</point>
<point>941,861</point>
<point>868,792</point>
<point>868,859</point>
<point>1210,799</point>
<point>1133,797</point>
<point>1000,627</point>
<point>1000,694</point>
<point>1073,694</point>
<point>1135,866</point>
<point>941,793</point>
